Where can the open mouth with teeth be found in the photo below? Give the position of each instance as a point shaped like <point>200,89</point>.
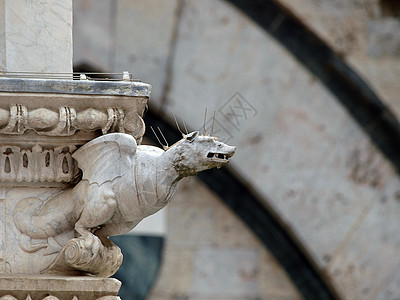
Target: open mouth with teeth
<point>219,157</point>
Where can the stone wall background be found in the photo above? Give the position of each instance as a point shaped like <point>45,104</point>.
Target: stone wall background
<point>365,33</point>
<point>297,146</point>
<point>210,254</point>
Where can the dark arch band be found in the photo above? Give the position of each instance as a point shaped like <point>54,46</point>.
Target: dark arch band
<point>350,89</point>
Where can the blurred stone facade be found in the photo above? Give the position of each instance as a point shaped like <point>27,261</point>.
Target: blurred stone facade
<point>297,146</point>
<point>366,33</point>
<point>210,254</point>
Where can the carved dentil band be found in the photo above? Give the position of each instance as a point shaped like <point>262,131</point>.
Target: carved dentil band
<point>37,164</point>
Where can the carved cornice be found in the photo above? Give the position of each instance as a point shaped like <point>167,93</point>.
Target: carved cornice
<point>68,108</point>
<point>17,120</point>
<point>77,87</point>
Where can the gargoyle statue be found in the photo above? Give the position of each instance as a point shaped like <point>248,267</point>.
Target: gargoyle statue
<point>122,184</point>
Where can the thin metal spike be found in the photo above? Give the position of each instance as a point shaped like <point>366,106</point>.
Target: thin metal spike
<point>163,136</point>
<point>184,125</point>
<point>204,123</point>
<point>177,125</point>
<point>212,127</point>
<point>157,137</point>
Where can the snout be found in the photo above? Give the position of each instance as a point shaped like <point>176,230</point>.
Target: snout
<point>222,154</point>
<point>231,150</point>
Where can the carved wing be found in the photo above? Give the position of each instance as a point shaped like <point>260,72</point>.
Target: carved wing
<point>106,157</point>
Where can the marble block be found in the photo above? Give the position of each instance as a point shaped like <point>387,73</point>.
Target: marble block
<point>38,287</point>
<point>36,36</point>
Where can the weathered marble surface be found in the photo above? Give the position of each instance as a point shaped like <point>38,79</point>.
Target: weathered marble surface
<point>35,34</point>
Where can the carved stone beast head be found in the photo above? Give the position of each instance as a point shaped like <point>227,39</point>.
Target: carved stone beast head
<point>195,153</point>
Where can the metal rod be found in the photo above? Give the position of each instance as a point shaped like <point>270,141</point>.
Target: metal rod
<point>68,75</point>
<point>64,73</point>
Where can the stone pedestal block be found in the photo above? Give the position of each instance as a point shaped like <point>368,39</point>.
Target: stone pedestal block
<point>37,287</point>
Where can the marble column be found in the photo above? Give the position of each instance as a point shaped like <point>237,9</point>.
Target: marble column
<point>42,122</point>
<point>36,36</point>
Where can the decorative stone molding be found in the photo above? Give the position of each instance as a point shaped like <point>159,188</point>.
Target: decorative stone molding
<point>37,164</point>
<point>65,108</point>
<point>67,121</point>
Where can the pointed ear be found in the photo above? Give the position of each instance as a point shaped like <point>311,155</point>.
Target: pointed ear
<point>192,136</point>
